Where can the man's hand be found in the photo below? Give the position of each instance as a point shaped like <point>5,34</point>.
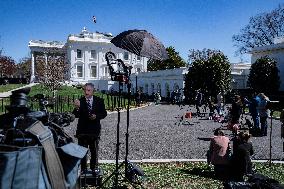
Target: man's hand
<point>77,103</point>
<point>92,116</point>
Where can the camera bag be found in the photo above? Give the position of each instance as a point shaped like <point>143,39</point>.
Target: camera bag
<point>43,166</point>
<point>22,168</point>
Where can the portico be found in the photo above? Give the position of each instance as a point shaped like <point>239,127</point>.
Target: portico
<point>42,48</point>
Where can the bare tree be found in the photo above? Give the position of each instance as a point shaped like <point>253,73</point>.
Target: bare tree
<point>7,66</point>
<point>51,68</point>
<point>53,72</point>
<point>24,67</point>
<point>260,31</point>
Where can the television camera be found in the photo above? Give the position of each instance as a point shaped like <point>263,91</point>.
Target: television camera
<point>34,142</point>
<point>15,123</point>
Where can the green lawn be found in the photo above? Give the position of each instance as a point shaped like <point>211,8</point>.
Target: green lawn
<point>63,91</point>
<point>64,98</point>
<point>190,175</point>
<point>8,87</point>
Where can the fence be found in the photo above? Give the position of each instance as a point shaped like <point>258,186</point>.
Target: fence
<point>65,103</point>
<point>6,80</point>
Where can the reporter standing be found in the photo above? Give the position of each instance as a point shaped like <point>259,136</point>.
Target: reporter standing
<point>90,110</point>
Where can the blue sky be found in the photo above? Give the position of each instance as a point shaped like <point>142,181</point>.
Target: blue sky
<point>183,24</point>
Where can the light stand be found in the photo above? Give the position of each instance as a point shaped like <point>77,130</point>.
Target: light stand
<point>270,138</point>
<point>119,72</point>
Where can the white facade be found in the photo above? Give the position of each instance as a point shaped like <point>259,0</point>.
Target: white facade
<point>166,81</point>
<point>275,51</point>
<point>240,73</point>
<point>162,81</point>
<point>86,56</point>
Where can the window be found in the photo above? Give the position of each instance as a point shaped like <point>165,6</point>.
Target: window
<point>126,56</point>
<point>79,53</point>
<point>138,70</point>
<point>93,71</point>
<point>93,54</point>
<point>176,87</point>
<point>167,87</point>
<point>138,57</point>
<point>146,88</point>
<point>106,71</point>
<point>103,57</point>
<point>79,71</point>
<point>159,88</point>
<point>153,87</point>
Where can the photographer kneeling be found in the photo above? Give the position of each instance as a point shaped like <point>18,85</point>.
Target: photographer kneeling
<point>218,154</point>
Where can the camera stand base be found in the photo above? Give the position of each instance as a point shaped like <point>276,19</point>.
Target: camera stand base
<point>123,178</point>
<point>88,179</point>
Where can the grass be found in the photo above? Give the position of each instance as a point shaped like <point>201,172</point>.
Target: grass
<point>63,91</point>
<point>74,93</point>
<point>65,96</point>
<point>189,175</point>
<point>8,87</point>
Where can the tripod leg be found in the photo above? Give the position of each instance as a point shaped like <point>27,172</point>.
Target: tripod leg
<point>117,166</point>
<point>115,173</point>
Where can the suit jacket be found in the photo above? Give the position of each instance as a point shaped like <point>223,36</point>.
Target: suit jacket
<point>86,126</point>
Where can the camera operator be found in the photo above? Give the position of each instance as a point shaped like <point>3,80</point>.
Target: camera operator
<point>90,110</point>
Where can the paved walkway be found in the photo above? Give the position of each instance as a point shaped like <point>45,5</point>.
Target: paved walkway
<point>156,133</point>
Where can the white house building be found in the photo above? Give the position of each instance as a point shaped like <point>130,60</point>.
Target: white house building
<point>275,51</point>
<point>86,56</point>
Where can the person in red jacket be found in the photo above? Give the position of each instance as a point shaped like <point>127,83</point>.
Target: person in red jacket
<point>219,153</point>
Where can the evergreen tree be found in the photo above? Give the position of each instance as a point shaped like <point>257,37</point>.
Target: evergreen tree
<point>264,76</point>
<point>209,71</point>
<point>174,61</point>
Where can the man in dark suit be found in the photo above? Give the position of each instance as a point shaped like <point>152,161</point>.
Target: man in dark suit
<point>90,110</point>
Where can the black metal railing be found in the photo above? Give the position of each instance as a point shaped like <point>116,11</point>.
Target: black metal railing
<point>65,103</point>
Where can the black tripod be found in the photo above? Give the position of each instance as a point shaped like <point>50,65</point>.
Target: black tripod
<point>131,171</point>
<point>270,138</point>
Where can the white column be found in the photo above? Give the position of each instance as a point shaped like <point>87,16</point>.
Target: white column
<point>33,69</point>
<point>85,64</point>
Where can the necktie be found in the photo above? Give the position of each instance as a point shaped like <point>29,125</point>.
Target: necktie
<point>89,105</point>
